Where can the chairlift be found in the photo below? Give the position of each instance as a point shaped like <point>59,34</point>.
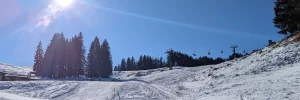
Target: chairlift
<point>194,54</point>
<point>222,51</point>
<point>208,52</point>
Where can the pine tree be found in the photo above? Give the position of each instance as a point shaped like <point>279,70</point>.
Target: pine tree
<point>70,57</point>
<point>218,60</point>
<point>119,67</point>
<point>80,55</point>
<point>145,64</point>
<point>133,63</point>
<point>59,57</point>
<point>140,63</point>
<point>49,65</point>
<point>287,13</point>
<point>128,64</point>
<point>123,65</point>
<point>161,62</point>
<point>116,68</point>
<point>75,55</point>
<point>38,58</point>
<point>93,63</point>
<point>91,60</point>
<point>170,59</point>
<point>149,63</point>
<point>106,70</point>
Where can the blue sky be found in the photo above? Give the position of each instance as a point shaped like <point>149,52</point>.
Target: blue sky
<point>136,27</point>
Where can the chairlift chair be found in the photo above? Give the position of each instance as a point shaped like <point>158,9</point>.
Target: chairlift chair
<point>194,53</point>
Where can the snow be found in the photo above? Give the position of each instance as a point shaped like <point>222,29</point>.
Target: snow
<point>8,96</point>
<point>272,74</point>
<point>14,70</point>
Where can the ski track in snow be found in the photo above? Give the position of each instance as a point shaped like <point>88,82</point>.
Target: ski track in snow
<point>273,74</point>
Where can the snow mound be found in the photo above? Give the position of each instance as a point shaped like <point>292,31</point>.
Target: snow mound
<point>14,70</point>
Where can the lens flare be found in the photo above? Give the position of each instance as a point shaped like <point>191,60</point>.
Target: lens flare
<point>64,3</point>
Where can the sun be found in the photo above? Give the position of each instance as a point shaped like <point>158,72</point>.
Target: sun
<point>64,3</point>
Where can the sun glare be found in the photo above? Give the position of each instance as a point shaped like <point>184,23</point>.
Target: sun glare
<point>64,3</point>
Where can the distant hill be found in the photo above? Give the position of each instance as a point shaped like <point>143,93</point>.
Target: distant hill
<point>14,70</point>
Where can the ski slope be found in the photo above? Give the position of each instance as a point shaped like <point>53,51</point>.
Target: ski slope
<point>272,74</point>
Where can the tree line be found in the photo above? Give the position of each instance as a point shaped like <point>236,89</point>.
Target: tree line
<point>174,58</point>
<point>66,58</point>
<point>145,62</point>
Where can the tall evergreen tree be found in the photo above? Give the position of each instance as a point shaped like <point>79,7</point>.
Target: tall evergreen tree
<point>59,68</point>
<point>68,57</point>
<point>140,63</point>
<point>161,62</point>
<point>133,63</point>
<point>106,69</point>
<point>170,59</point>
<point>128,64</point>
<point>75,55</point>
<point>38,58</point>
<point>145,64</point>
<point>80,52</point>
<point>63,57</point>
<point>49,64</point>
<point>93,63</point>
<point>116,68</point>
<point>123,65</point>
<point>119,67</point>
<point>287,14</point>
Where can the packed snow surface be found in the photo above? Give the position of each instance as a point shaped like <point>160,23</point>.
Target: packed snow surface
<point>272,74</point>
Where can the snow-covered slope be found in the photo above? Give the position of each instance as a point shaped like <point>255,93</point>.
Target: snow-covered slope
<point>272,74</point>
<point>14,70</point>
